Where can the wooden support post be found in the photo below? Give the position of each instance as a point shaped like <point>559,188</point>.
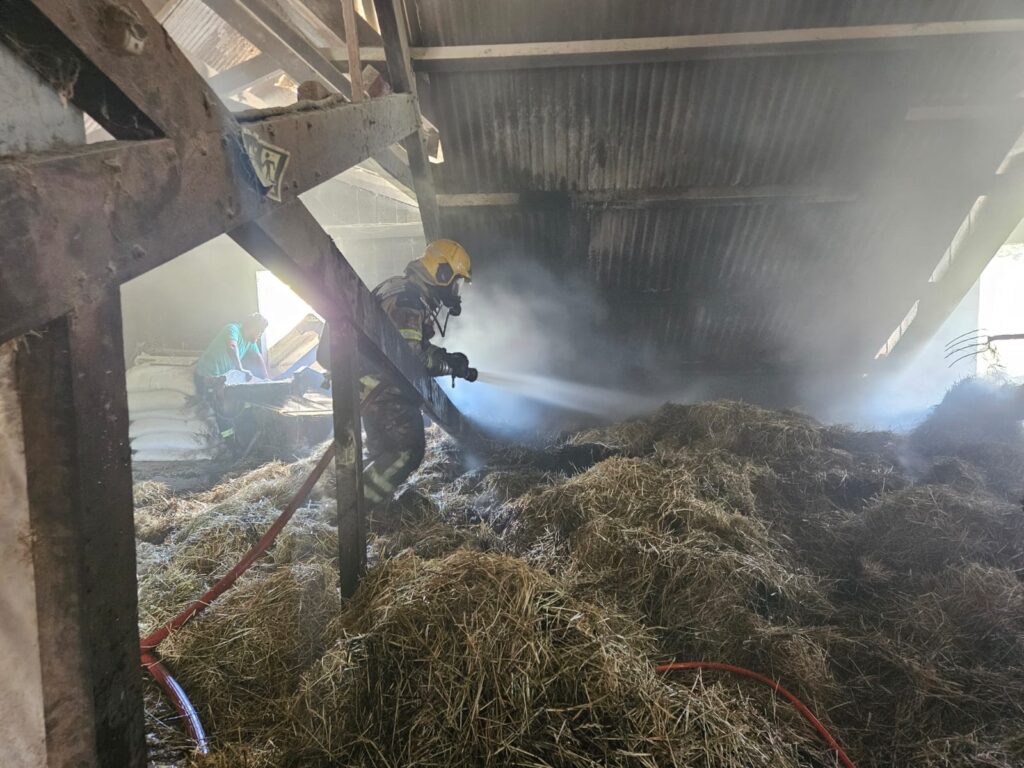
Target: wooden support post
<point>69,644</point>
<point>355,69</point>
<point>348,458</point>
<point>394,31</point>
<point>74,413</point>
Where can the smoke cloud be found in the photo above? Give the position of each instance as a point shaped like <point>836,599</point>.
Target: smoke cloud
<point>547,352</point>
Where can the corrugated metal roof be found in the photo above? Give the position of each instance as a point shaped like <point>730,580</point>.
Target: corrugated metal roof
<point>777,282</point>
<point>768,282</point>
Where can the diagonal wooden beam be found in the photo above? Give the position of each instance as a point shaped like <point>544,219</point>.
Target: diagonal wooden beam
<point>271,33</point>
<point>355,68</point>
<point>778,42</point>
<point>290,242</point>
<point>82,219</point>
<point>241,76</point>
<point>126,45</point>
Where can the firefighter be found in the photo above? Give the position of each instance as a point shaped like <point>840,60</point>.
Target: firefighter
<point>395,439</point>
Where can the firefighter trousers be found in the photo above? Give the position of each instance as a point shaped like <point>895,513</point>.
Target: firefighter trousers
<point>395,444</point>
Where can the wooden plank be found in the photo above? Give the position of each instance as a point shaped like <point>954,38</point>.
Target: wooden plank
<point>393,164</point>
<point>241,76</point>
<point>348,457</point>
<point>355,69</point>
<point>74,413</point>
<point>368,54</point>
<point>81,219</point>
<point>271,33</point>
<point>394,32</point>
<point>352,232</point>
<point>365,178</point>
<point>647,198</point>
<point>291,243</point>
<point>779,42</point>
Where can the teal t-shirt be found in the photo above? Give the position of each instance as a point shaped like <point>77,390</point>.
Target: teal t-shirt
<point>218,358</point>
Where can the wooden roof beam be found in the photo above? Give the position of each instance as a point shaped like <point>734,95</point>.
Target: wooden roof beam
<point>394,32</point>
<point>652,198</point>
<point>264,27</point>
<point>778,42</point>
<point>242,76</point>
<point>105,213</point>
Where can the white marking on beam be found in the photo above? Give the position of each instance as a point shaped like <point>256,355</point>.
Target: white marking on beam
<point>680,47</point>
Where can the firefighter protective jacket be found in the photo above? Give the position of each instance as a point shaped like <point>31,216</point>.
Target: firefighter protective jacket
<point>408,305</point>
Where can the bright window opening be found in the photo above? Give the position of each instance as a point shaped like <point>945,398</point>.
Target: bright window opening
<point>280,305</point>
<point>1001,311</point>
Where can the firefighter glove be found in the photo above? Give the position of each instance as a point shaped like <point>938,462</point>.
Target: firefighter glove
<point>458,365</point>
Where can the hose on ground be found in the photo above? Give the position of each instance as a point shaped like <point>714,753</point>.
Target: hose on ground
<point>149,643</point>
<point>179,698</point>
<point>775,686</point>
<point>153,639</point>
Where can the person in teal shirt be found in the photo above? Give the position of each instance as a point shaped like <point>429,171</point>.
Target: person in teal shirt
<point>229,349</point>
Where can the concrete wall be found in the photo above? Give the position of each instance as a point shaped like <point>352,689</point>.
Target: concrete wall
<point>182,304</point>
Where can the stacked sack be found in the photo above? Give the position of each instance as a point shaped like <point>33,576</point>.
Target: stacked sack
<point>168,421</point>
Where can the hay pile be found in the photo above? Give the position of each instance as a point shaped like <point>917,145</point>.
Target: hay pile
<point>513,608</point>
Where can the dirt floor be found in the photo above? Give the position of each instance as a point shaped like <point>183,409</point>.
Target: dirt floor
<point>516,602</point>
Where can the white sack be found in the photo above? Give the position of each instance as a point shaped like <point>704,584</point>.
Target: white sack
<point>154,425</point>
<point>143,378</point>
<point>155,400</point>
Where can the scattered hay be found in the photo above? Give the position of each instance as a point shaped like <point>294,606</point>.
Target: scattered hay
<point>148,493</point>
<point>744,429</point>
<point>164,589</point>
<point>929,528</point>
<point>659,543</point>
<point>975,411</point>
<point>968,616</point>
<point>512,609</point>
<point>482,660</point>
<point>243,656</point>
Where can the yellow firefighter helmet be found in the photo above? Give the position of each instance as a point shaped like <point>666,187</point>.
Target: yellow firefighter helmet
<point>445,260</point>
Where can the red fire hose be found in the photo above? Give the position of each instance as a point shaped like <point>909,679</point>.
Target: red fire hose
<point>180,700</point>
<point>775,686</point>
<point>151,641</point>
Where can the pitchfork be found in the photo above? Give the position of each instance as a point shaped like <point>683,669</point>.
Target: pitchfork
<point>974,343</point>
